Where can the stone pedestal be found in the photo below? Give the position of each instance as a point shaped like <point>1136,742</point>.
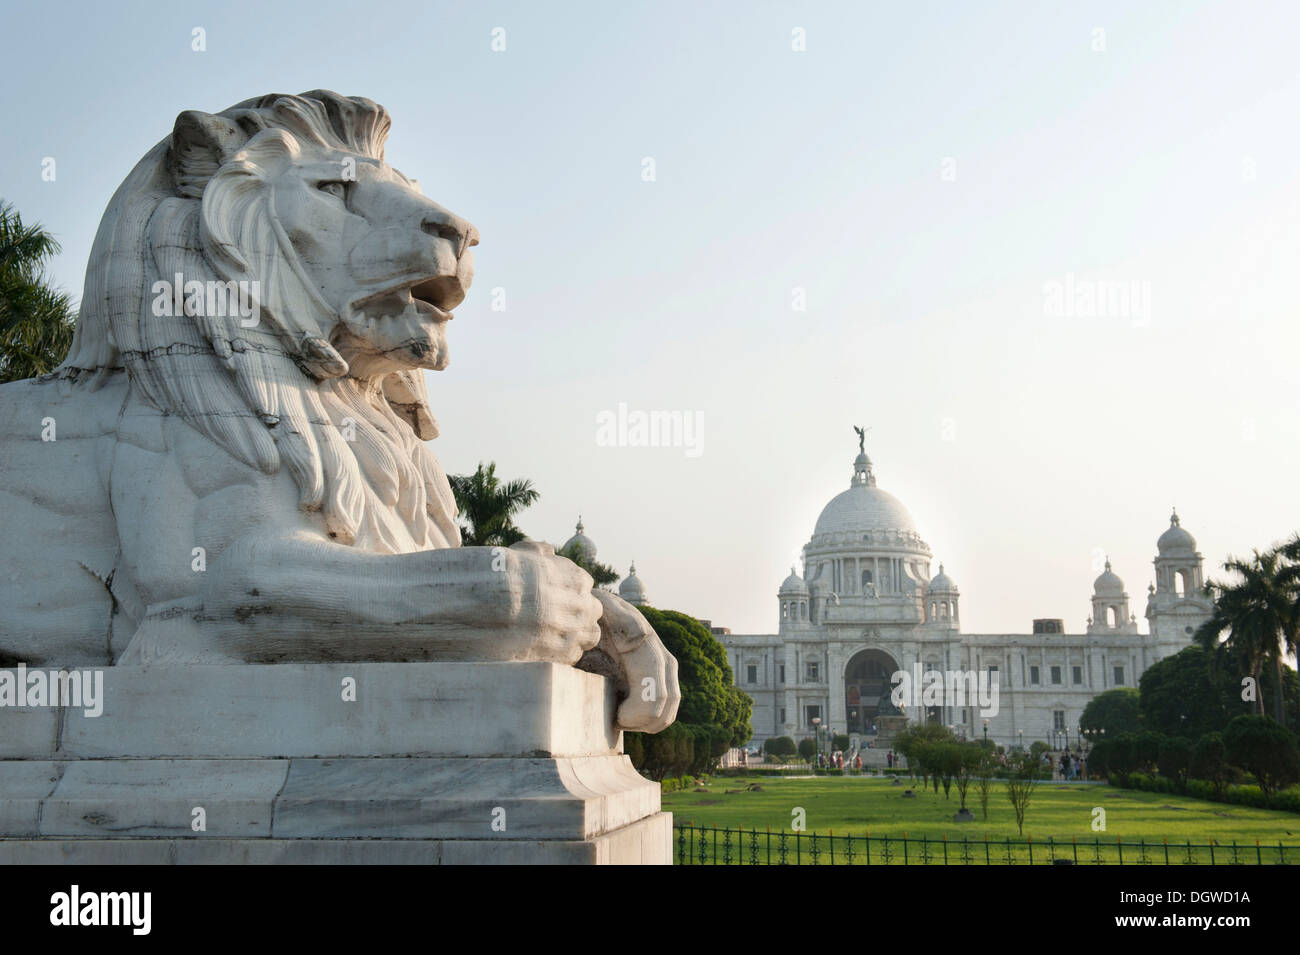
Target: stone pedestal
<point>329,763</point>
<point>889,727</point>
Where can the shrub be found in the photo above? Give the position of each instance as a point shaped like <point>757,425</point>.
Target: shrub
<point>840,741</point>
<point>780,746</point>
<point>1209,762</point>
<point>1146,751</point>
<point>634,748</point>
<point>1264,749</point>
<point>1175,760</point>
<point>807,748</point>
<point>670,752</point>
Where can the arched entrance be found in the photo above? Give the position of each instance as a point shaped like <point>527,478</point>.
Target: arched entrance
<point>866,679</point>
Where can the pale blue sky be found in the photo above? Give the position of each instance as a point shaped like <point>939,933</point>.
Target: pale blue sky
<point>1021,442</point>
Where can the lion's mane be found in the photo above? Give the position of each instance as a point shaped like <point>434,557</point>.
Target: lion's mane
<point>278,393</point>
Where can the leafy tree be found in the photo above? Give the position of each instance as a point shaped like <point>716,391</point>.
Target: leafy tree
<point>969,759</point>
<point>913,741</point>
<point>667,753</point>
<point>1210,762</point>
<point>1112,712</point>
<point>1188,694</point>
<point>709,694</point>
<point>1101,760</point>
<point>1022,780</point>
<point>714,712</point>
<point>634,749</point>
<point>1175,760</point>
<point>1146,750</point>
<point>602,574</point>
<point>987,766</point>
<point>1121,754</point>
<point>1264,749</point>
<point>807,748</point>
<point>490,506</point>
<point>840,741</point>
<point>36,321</point>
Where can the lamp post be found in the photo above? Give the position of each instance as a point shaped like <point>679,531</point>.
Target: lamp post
<point>986,731</point>
<point>817,739</point>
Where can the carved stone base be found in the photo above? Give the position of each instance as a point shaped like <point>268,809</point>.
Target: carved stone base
<point>337,763</point>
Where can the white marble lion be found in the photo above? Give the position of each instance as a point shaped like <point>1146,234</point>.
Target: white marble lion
<point>210,478</point>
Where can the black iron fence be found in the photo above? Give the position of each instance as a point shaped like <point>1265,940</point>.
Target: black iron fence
<point>701,845</point>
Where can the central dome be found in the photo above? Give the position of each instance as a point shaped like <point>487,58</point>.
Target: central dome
<point>864,508</point>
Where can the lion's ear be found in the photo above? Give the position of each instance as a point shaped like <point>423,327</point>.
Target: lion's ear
<point>201,142</point>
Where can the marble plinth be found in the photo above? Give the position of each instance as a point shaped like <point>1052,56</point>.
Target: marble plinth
<point>341,763</point>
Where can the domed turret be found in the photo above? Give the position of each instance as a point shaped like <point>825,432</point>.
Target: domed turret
<point>794,584</point>
<point>942,583</point>
<point>1176,542</point>
<point>581,543</point>
<point>941,606</point>
<point>631,589</point>
<point>1110,613</point>
<point>1108,584</point>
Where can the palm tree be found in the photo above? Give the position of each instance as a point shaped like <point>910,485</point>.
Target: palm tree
<point>36,321</point>
<point>1259,612</point>
<point>1289,579</point>
<point>490,506</point>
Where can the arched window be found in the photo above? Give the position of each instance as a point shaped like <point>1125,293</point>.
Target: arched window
<point>934,610</point>
<point>1112,617</point>
<point>1182,582</point>
<point>785,610</point>
<point>866,580</point>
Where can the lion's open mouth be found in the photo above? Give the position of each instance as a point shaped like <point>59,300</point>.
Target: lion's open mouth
<point>428,297</point>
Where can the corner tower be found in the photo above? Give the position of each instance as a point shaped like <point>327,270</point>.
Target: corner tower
<point>1176,602</point>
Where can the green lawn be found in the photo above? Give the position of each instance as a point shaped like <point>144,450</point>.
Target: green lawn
<point>862,805</point>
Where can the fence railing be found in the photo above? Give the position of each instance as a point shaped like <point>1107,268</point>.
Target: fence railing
<point>701,845</point>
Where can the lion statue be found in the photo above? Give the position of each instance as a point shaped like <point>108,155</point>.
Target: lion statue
<point>207,484</point>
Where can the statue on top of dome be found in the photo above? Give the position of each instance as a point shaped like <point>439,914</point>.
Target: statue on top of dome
<point>862,438</point>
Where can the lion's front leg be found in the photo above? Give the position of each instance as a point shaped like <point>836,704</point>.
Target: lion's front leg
<point>631,653</point>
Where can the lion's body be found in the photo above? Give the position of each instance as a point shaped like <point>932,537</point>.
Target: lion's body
<point>192,485</point>
<point>55,576</point>
<point>122,508</point>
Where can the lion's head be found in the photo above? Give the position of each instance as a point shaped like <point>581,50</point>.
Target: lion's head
<point>352,274</point>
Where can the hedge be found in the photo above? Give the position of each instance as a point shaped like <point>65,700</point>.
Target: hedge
<point>1288,800</point>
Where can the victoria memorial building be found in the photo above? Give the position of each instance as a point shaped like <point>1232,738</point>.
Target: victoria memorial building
<point>867,606</point>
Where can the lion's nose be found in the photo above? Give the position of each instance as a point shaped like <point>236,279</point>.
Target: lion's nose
<point>446,225</point>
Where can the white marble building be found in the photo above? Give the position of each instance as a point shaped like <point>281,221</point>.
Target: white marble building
<point>869,607</point>
<point>631,588</point>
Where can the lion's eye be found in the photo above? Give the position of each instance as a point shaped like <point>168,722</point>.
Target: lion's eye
<point>335,189</point>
